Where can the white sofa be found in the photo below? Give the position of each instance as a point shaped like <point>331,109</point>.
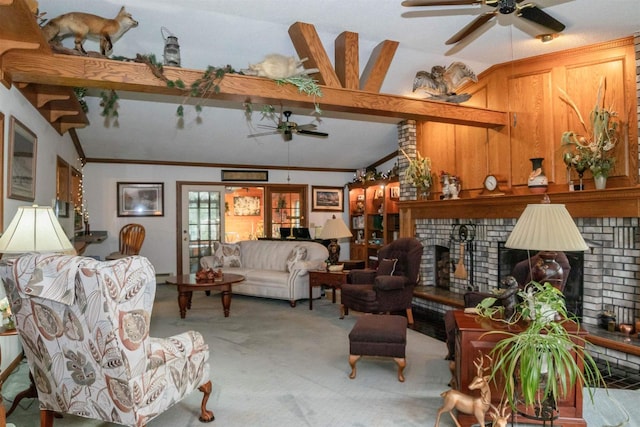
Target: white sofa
<point>272,268</point>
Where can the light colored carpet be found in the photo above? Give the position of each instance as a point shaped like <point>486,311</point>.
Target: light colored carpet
<point>273,365</point>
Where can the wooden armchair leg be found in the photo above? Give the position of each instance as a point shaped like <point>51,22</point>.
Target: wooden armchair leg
<point>206,416</point>
<point>410,316</point>
<point>343,311</point>
<point>46,418</point>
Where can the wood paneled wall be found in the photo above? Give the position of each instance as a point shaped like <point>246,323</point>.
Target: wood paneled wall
<point>528,90</point>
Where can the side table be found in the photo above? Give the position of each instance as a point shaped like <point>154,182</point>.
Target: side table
<point>334,279</point>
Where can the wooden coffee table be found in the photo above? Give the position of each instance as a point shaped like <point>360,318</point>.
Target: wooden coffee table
<point>186,284</point>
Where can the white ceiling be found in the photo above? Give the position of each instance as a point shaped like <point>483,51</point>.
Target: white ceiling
<point>240,32</point>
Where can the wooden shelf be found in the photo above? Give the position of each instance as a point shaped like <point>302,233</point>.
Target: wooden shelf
<point>614,202</point>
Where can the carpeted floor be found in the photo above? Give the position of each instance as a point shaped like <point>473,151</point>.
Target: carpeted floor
<point>273,365</point>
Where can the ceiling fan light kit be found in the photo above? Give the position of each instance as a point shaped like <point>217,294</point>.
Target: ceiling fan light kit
<point>528,11</point>
<point>546,38</point>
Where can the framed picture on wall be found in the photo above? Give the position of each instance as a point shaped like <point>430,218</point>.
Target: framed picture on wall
<point>140,199</point>
<point>327,199</point>
<point>23,146</point>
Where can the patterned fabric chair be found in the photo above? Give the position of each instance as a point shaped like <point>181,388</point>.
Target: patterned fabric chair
<point>389,288</point>
<point>84,326</point>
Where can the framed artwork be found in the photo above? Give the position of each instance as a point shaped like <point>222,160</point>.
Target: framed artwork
<point>327,199</point>
<point>246,206</point>
<point>140,199</point>
<point>244,175</point>
<point>394,192</point>
<point>23,147</point>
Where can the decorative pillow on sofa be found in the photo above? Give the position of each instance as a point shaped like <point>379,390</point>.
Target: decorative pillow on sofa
<point>226,255</point>
<point>231,255</point>
<point>387,267</point>
<point>299,253</point>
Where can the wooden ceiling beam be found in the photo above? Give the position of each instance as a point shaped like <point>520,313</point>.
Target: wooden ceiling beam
<point>308,45</point>
<point>347,60</point>
<point>80,71</point>
<point>19,28</point>
<point>378,66</point>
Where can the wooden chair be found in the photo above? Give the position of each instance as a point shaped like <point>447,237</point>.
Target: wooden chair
<point>129,241</point>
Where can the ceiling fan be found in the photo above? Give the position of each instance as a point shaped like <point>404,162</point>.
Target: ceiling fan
<point>287,128</point>
<point>527,11</point>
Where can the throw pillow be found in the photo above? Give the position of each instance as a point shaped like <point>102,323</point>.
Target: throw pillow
<point>231,255</point>
<point>387,267</point>
<point>218,256</point>
<point>299,253</point>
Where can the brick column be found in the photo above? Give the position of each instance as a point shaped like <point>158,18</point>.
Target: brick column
<point>407,142</point>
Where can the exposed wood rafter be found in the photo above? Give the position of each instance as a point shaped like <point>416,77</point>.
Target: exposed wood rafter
<point>47,79</point>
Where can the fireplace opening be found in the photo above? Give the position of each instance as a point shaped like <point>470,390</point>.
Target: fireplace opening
<point>573,290</point>
<point>442,267</point>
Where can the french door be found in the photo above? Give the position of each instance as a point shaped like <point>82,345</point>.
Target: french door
<point>202,223</point>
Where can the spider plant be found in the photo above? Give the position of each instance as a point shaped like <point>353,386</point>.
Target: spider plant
<point>545,356</point>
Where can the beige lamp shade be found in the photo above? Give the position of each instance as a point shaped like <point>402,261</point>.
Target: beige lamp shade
<point>546,227</point>
<point>335,228</point>
<point>34,229</point>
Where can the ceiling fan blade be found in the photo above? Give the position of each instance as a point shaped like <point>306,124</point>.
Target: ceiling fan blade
<point>412,3</point>
<point>308,126</point>
<point>537,15</point>
<point>471,27</point>
<point>312,132</point>
<point>255,135</point>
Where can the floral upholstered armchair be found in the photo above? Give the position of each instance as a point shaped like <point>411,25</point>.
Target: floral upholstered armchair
<point>84,326</point>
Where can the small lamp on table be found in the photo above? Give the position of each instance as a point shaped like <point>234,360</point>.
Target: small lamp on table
<point>334,229</point>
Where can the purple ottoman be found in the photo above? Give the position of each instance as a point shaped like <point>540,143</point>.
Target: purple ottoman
<point>379,335</point>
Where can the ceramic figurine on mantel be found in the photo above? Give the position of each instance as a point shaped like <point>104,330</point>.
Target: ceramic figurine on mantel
<point>450,186</point>
<point>538,182</point>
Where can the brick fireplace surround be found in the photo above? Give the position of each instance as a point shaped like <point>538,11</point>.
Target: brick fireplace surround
<point>611,267</point>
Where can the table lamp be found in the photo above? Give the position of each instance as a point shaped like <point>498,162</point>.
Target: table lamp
<point>35,229</point>
<point>547,228</point>
<point>334,229</point>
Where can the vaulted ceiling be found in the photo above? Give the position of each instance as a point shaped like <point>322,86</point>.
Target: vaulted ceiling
<point>240,32</point>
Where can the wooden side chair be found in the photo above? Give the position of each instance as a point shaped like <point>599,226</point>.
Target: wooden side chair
<point>129,242</point>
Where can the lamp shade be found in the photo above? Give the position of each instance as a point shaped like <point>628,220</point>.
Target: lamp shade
<point>335,228</point>
<point>34,229</point>
<point>546,227</point>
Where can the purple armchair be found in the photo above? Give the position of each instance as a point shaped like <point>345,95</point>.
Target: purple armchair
<point>389,288</point>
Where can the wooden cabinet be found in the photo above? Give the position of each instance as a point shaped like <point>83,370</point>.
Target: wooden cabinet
<point>472,339</point>
<point>529,90</point>
<point>374,217</point>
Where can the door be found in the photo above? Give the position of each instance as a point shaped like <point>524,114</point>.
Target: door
<point>287,208</point>
<point>202,219</point>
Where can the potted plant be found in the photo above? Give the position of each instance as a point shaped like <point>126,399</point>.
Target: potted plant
<point>418,174</point>
<point>545,356</point>
<point>592,149</point>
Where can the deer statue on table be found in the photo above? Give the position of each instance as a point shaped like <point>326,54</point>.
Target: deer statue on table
<point>477,406</point>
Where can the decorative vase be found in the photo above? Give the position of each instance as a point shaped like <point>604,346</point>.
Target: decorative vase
<point>601,182</point>
<point>538,181</point>
<point>423,192</point>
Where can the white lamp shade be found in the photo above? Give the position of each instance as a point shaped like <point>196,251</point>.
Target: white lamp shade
<point>34,229</point>
<point>335,228</point>
<point>546,227</point>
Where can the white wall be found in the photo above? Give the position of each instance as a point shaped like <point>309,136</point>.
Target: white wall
<point>49,145</point>
<point>161,233</point>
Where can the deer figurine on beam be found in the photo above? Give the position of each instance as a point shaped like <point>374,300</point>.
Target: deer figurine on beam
<point>476,406</point>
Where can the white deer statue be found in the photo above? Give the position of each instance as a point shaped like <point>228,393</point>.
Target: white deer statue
<point>477,406</point>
